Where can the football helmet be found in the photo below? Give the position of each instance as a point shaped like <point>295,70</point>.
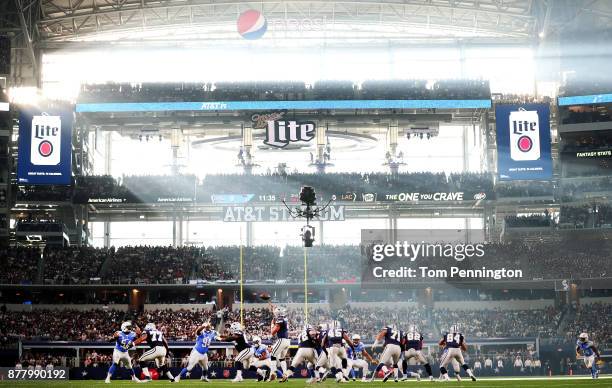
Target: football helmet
<point>256,340</point>
<point>207,326</point>
<point>280,312</point>
<point>454,329</point>
<point>126,326</point>
<point>235,326</point>
<point>413,329</point>
<point>149,326</point>
<point>356,337</point>
<point>584,337</point>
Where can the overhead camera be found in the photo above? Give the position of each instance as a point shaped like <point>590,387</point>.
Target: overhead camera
<point>308,197</point>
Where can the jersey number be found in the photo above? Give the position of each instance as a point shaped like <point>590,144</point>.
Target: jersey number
<point>452,337</point>
<point>413,336</point>
<point>156,336</point>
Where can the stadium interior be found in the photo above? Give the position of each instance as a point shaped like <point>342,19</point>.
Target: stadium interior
<point>229,163</point>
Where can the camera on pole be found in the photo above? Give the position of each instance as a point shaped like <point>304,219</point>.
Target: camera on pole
<point>308,210</point>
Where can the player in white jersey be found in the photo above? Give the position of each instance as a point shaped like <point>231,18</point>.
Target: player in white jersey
<point>245,351</point>
<point>336,353</point>
<point>412,346</point>
<point>391,337</point>
<point>453,344</point>
<point>306,353</point>
<point>280,348</point>
<point>322,365</point>
<point>158,349</point>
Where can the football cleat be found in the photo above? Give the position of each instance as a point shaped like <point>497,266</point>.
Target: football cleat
<point>237,379</point>
<point>387,375</point>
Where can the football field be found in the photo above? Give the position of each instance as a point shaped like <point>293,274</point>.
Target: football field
<point>565,382</point>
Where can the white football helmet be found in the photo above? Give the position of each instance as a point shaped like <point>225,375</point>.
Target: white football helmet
<point>584,337</point>
<point>235,326</point>
<point>323,326</point>
<point>454,329</point>
<point>413,329</point>
<point>256,340</point>
<point>149,326</point>
<point>126,326</point>
<point>356,337</point>
<point>207,326</point>
<point>280,312</point>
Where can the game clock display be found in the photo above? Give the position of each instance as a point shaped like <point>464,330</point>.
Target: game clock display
<point>8,374</point>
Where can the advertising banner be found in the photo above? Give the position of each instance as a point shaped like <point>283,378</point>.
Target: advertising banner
<point>45,147</point>
<point>523,142</point>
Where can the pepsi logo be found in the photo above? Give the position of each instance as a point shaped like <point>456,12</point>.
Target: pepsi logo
<point>252,24</point>
<point>525,143</point>
<point>45,148</point>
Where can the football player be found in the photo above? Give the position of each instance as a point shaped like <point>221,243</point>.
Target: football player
<point>158,349</point>
<point>124,341</point>
<point>261,361</point>
<point>589,353</point>
<point>355,358</point>
<point>336,352</point>
<point>199,354</point>
<point>280,330</point>
<point>245,351</point>
<point>322,365</point>
<point>391,337</point>
<point>306,353</point>
<point>413,345</point>
<point>453,344</point>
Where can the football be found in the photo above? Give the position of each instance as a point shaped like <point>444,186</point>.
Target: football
<point>265,296</point>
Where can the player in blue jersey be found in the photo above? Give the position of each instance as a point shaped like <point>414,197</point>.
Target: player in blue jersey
<point>199,354</point>
<point>453,344</point>
<point>280,348</point>
<point>391,337</point>
<point>261,362</point>
<point>124,341</point>
<point>589,353</point>
<point>355,356</point>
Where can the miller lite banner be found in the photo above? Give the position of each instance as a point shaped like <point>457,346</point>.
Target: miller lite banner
<point>44,147</point>
<point>523,142</point>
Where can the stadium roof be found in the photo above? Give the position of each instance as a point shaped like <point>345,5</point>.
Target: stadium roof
<point>215,21</point>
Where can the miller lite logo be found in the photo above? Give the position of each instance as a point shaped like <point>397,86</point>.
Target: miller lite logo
<point>45,147</point>
<point>524,135</point>
<point>280,133</point>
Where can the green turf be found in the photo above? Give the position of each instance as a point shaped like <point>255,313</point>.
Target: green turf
<point>604,381</point>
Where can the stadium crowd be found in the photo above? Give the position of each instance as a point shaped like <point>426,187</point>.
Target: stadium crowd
<point>501,323</point>
<point>98,325</point>
<point>558,259</point>
<point>451,89</point>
